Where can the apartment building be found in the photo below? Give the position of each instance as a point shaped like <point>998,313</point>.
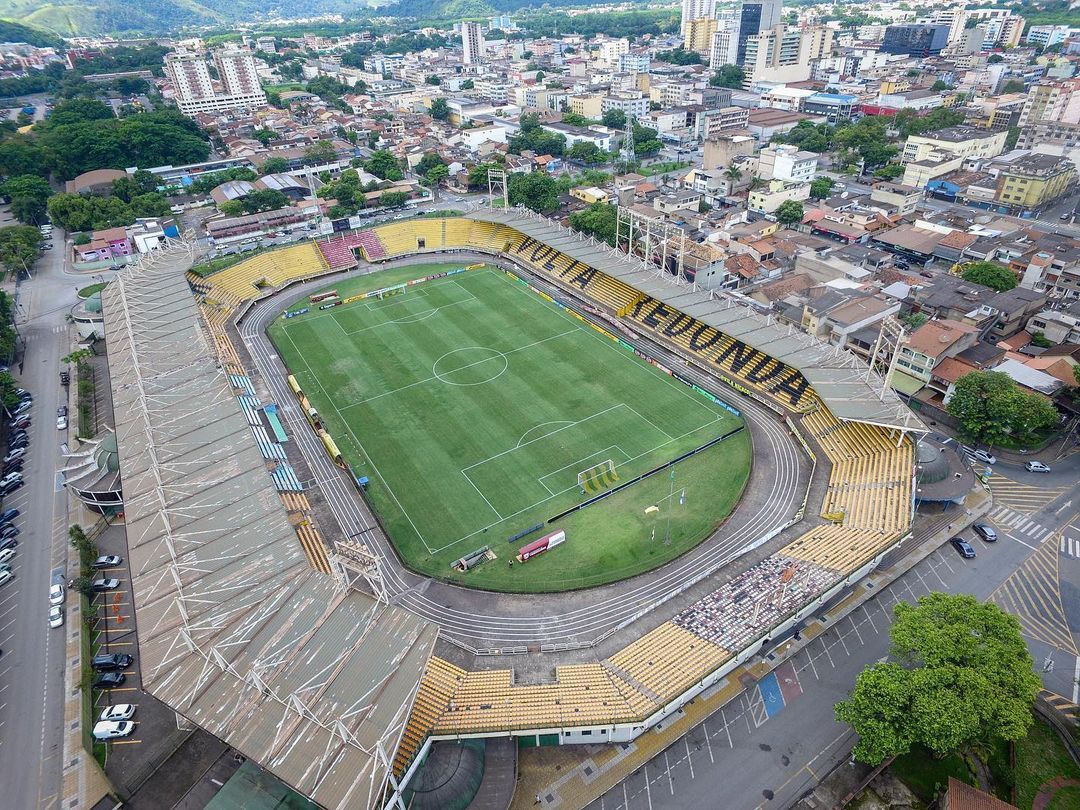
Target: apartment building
<point>195,92</point>
<point>472,43</point>
<point>698,35</point>
<point>1027,185</point>
<point>932,343</point>
<point>776,193</point>
<point>960,141</point>
<point>1052,101</point>
<point>784,54</point>
<point>787,163</point>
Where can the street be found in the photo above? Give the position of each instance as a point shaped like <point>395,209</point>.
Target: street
<point>32,663</point>
<point>778,738</point>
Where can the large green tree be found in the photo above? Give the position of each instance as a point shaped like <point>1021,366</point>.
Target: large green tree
<point>384,165</point>
<point>20,245</point>
<point>790,212</point>
<point>536,190</point>
<point>614,118</point>
<point>597,220</point>
<point>992,408</point>
<point>821,187</point>
<point>989,274</point>
<point>730,76</point>
<point>440,110</point>
<point>28,194</point>
<point>962,677</point>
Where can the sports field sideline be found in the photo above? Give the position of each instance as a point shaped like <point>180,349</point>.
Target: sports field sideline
<point>472,404</point>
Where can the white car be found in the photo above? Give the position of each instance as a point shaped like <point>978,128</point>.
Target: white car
<point>121,711</point>
<point>56,594</point>
<point>110,730</point>
<point>61,423</point>
<point>56,616</point>
<point>6,555</point>
<point>984,456</point>
<point>1036,466</point>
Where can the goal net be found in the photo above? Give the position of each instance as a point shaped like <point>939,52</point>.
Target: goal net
<point>597,477</point>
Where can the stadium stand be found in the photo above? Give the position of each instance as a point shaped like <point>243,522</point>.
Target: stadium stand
<point>867,505</point>
<point>266,270</point>
<point>338,249</point>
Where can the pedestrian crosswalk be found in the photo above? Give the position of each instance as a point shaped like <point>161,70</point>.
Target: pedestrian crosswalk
<point>1070,547</point>
<point>1032,593</point>
<point>1022,497</point>
<point>1019,523</point>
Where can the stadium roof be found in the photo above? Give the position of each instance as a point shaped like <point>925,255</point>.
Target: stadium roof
<point>844,382</point>
<point>235,631</point>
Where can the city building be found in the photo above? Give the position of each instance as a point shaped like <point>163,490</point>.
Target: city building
<point>1028,184</point>
<point>725,44</point>
<point>472,43</point>
<point>1052,101</point>
<point>900,198</point>
<point>696,10</point>
<point>932,343</point>
<point>698,35</point>
<point>776,193</point>
<point>834,106</point>
<point>194,91</point>
<point>960,141</point>
<point>915,39</point>
<point>753,17</point>
<point>1001,28</point>
<point>784,54</point>
<point>788,163</point>
<point>1049,35</point>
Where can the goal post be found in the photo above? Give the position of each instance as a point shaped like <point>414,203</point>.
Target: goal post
<point>597,477</point>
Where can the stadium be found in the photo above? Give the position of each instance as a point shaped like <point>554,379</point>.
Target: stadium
<point>305,505</point>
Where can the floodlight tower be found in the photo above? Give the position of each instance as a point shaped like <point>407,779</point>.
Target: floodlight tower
<point>626,153</point>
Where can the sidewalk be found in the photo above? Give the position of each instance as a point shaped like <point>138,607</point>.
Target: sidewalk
<point>587,772</point>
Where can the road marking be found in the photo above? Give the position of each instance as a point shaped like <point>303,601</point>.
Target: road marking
<point>1021,542</point>
<point>648,790</point>
<point>827,653</point>
<point>727,730</point>
<point>708,745</point>
<point>855,628</point>
<point>814,668</point>
<point>667,765</point>
<point>689,759</point>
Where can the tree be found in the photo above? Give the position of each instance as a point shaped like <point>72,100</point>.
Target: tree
<point>80,110</point>
<point>940,85</point>
<point>575,120</point>
<point>478,175</point>
<point>436,175</point>
<point>733,173</point>
<point>86,547</point>
<point>132,185</point>
<point>468,84</point>
<point>992,409</point>
<point>586,152</point>
<point>890,172</point>
<point>322,151</point>
<point>384,165</point>
<point>730,76</point>
<point>679,56</point>
<point>27,194</point>
<point>821,188</point>
<point>393,199</point>
<point>20,246</point>
<point>963,677</point>
<point>432,80</point>
<point>1013,86</point>
<point>989,274</point>
<point>995,58</point>
<point>790,212</point>
<point>597,220</point>
<point>267,199</point>
<point>428,162</point>
<point>275,165</point>
<point>440,110</point>
<point>614,118</point>
<point>264,135</point>
<point>536,190</point>
<point>150,205</point>
<point>231,208</point>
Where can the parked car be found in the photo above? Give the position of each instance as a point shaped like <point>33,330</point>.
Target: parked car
<point>6,577</point>
<point>7,489</point>
<point>56,616</point>
<point>62,410</point>
<point>15,465</point>
<point>1036,467</point>
<point>111,730</point>
<point>8,515</point>
<point>104,662</point>
<point>6,555</point>
<point>100,585</point>
<point>107,561</point>
<point>11,476</point>
<point>109,680</point>
<point>984,456</point>
<point>56,594</point>
<point>7,530</point>
<point>61,423</point>
<point>21,423</point>
<point>964,547</point>
<point>8,542</point>
<point>14,454</point>
<point>121,711</point>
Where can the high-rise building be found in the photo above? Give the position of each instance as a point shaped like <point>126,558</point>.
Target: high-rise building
<point>699,35</point>
<point>785,54</point>
<point>472,43</point>
<point>696,10</point>
<point>236,69</point>
<point>195,92</point>
<point>915,39</point>
<point>725,43</point>
<point>755,16</point>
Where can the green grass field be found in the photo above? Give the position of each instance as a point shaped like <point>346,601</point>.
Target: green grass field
<point>472,403</point>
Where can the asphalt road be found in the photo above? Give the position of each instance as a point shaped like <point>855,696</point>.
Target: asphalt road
<point>32,664</point>
<point>765,751</point>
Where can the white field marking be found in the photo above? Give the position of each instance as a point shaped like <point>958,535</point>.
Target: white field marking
<point>421,292</point>
<point>650,422</point>
<point>497,353</point>
<point>545,500</point>
<point>360,446</point>
<point>436,377</point>
<point>634,360</point>
<point>543,424</point>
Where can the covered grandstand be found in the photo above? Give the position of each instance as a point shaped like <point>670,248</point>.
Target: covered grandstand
<point>236,631</point>
<point>228,606</point>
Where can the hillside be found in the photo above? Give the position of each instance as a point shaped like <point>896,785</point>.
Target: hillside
<point>71,17</point>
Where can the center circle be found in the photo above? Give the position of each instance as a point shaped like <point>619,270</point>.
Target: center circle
<point>471,365</point>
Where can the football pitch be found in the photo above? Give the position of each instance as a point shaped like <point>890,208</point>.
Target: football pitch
<point>472,404</point>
